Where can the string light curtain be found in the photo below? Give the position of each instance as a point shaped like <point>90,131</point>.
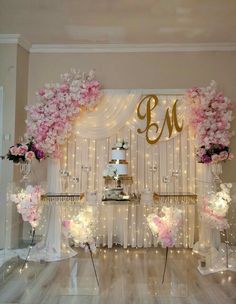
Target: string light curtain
<point>168,166</point>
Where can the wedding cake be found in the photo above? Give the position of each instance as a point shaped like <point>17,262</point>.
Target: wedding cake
<point>117,167</point>
<point>118,161</point>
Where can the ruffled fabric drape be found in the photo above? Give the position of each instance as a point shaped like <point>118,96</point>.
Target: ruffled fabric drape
<point>116,110</point>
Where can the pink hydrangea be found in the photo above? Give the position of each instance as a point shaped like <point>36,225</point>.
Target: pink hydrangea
<point>28,204</point>
<point>166,227</point>
<point>209,114</point>
<point>49,121</point>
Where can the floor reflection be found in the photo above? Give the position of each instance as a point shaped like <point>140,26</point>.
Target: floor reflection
<point>125,276</point>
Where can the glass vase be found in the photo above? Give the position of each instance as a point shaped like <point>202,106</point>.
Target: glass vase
<point>216,170</point>
<point>25,170</point>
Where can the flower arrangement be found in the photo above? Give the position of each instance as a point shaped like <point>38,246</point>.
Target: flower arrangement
<point>215,208</point>
<point>28,204</point>
<point>210,115</point>
<point>110,171</point>
<point>24,152</point>
<point>165,227</point>
<point>122,144</point>
<point>49,121</point>
<point>81,228</point>
<point>215,154</point>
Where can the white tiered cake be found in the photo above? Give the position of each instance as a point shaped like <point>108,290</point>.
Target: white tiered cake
<point>117,168</point>
<point>119,162</point>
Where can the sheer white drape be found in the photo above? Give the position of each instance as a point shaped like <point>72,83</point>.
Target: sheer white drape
<point>116,110</point>
<point>112,112</point>
<point>54,245</point>
<point>86,156</point>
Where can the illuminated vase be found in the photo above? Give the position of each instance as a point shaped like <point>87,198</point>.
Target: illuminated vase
<point>216,170</point>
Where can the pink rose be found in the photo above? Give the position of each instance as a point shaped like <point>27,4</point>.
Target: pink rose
<point>223,155</point>
<point>14,150</point>
<point>64,88</point>
<point>41,92</point>
<point>29,155</point>
<point>215,158</point>
<point>66,224</point>
<point>22,149</point>
<point>231,156</point>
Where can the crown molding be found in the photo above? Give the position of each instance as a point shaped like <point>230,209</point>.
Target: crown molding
<point>132,48</point>
<point>174,92</point>
<point>115,48</point>
<point>15,39</point>
<point>24,43</point>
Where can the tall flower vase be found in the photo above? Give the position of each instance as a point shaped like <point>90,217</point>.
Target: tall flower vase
<point>216,170</point>
<point>54,245</point>
<point>209,239</point>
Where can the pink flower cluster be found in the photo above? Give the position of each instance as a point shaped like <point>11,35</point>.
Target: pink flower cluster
<point>210,115</point>
<point>23,152</point>
<point>166,226</point>
<point>215,154</point>
<point>49,121</point>
<point>27,203</point>
<point>18,150</point>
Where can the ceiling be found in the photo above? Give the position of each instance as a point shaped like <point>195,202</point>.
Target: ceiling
<point>124,21</point>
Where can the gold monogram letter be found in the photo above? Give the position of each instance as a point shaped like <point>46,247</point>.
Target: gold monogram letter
<point>170,120</point>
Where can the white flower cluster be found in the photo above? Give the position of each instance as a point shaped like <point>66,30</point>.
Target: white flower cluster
<point>121,143</point>
<point>82,228</point>
<point>216,207</point>
<point>110,171</point>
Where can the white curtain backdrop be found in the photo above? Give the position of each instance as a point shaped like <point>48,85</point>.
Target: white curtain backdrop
<point>89,150</point>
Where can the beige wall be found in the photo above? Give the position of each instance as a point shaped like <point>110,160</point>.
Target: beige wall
<point>21,97</point>
<point>21,90</point>
<point>140,70</point>
<point>20,117</point>
<point>14,80</point>
<point>8,56</point>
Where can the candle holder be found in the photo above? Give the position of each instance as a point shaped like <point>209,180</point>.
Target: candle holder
<point>153,168</point>
<point>166,179</point>
<point>175,173</point>
<point>64,179</point>
<point>75,179</point>
<point>86,168</point>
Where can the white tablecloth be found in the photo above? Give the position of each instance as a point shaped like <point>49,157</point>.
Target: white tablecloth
<point>126,225</point>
